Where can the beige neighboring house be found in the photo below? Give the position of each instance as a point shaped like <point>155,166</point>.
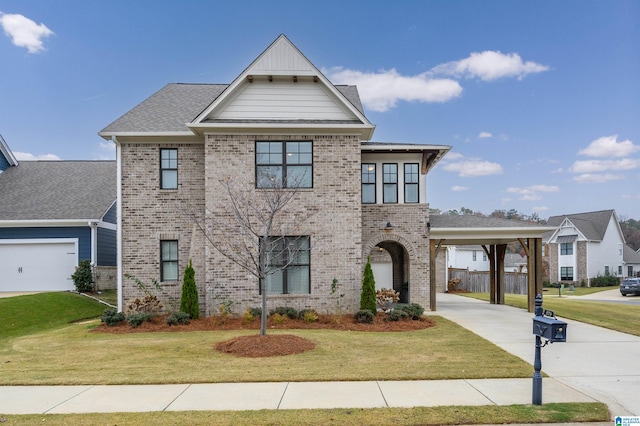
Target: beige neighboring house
<point>586,245</point>
<point>281,113</point>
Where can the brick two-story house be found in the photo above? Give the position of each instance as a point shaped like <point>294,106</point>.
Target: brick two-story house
<point>281,115</point>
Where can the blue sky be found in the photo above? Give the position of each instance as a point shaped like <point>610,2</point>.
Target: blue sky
<point>540,100</point>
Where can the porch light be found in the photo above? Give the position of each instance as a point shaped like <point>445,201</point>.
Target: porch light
<point>388,226</point>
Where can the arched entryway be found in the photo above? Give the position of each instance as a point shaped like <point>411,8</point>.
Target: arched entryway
<point>390,257</point>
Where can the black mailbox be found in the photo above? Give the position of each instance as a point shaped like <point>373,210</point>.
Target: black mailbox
<point>550,328</point>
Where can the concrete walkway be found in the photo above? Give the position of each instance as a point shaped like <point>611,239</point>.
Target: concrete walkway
<point>598,362</point>
<point>591,366</point>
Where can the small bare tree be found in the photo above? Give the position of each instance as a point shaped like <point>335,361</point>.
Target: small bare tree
<point>257,229</point>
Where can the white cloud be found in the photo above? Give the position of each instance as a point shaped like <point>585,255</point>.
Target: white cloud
<point>488,66</point>
<point>530,193</point>
<point>459,188</point>
<point>452,156</point>
<point>589,166</point>
<point>469,168</point>
<point>25,156</point>
<point>540,209</point>
<point>381,91</point>
<point>608,146</point>
<point>24,32</point>
<point>596,178</point>
<point>484,135</point>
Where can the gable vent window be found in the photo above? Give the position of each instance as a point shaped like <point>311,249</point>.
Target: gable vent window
<point>169,168</point>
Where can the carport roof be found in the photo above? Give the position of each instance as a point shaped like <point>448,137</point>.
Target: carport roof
<point>57,190</point>
<point>471,229</point>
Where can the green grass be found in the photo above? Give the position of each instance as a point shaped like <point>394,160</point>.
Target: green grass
<point>614,316</point>
<point>583,291</point>
<point>450,415</point>
<point>23,315</point>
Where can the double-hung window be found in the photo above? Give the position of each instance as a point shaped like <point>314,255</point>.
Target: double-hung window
<point>566,249</point>
<point>169,260</point>
<point>368,183</point>
<point>284,164</point>
<point>411,192</point>
<point>389,183</point>
<point>289,264</point>
<point>566,273</point>
<point>168,168</point>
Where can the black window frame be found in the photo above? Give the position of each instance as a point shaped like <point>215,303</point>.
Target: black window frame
<point>283,164</point>
<point>368,183</point>
<point>167,168</point>
<point>566,249</point>
<point>286,240</point>
<point>566,273</point>
<point>386,184</point>
<point>164,261</point>
<point>412,184</point>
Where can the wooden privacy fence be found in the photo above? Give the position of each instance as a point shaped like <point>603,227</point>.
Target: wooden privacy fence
<point>478,281</point>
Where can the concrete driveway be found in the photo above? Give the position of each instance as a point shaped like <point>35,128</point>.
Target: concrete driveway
<point>601,363</point>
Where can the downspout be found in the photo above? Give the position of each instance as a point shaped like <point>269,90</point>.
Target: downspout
<point>119,219</point>
<point>94,243</point>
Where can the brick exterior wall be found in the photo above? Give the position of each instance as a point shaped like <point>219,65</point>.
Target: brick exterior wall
<point>151,214</point>
<point>553,263</point>
<point>581,262</point>
<point>329,213</point>
<point>409,232</point>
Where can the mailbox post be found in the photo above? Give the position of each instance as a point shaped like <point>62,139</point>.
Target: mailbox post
<point>545,326</point>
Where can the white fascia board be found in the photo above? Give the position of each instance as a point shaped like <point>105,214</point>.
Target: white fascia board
<point>488,233</point>
<point>6,151</point>
<point>404,147</point>
<point>110,135</point>
<point>47,223</point>
<point>365,131</point>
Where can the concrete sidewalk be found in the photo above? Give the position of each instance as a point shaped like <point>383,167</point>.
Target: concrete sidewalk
<point>277,396</point>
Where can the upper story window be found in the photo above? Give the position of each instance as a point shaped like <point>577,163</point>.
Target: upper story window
<point>168,168</point>
<point>389,183</point>
<point>566,248</point>
<point>284,164</point>
<point>474,255</point>
<point>411,176</point>
<point>368,183</point>
<point>169,260</point>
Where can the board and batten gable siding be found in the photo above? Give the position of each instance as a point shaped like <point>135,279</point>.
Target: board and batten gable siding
<point>106,255</point>
<point>284,100</point>
<point>111,215</point>
<point>83,234</point>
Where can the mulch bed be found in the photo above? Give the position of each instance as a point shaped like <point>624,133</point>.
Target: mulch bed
<point>269,345</point>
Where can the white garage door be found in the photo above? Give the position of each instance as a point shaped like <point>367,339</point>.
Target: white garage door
<point>40,265</point>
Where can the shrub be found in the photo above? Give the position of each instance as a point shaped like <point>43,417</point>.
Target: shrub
<point>279,318</point>
<point>397,314</point>
<point>308,315</point>
<point>178,318</point>
<point>256,312</point>
<point>364,316</point>
<point>248,316</point>
<point>135,320</point>
<point>287,312</point>
<point>83,276</point>
<point>147,305</point>
<point>189,299</point>
<point>414,310</point>
<point>368,295</point>
<point>605,281</point>
<point>112,317</point>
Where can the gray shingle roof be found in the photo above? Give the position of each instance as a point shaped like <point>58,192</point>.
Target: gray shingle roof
<point>472,221</point>
<point>629,255</point>
<point>45,190</point>
<point>592,225</point>
<point>175,104</point>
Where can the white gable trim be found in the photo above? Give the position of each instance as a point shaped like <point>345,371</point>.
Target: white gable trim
<point>4,148</point>
<point>281,58</point>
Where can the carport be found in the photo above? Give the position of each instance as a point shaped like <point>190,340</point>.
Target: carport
<point>493,234</point>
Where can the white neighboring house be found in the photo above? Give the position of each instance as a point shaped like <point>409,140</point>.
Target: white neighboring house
<point>472,258</point>
<point>584,246</point>
<point>631,261</point>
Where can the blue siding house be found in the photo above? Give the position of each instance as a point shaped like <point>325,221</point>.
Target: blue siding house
<point>53,214</point>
